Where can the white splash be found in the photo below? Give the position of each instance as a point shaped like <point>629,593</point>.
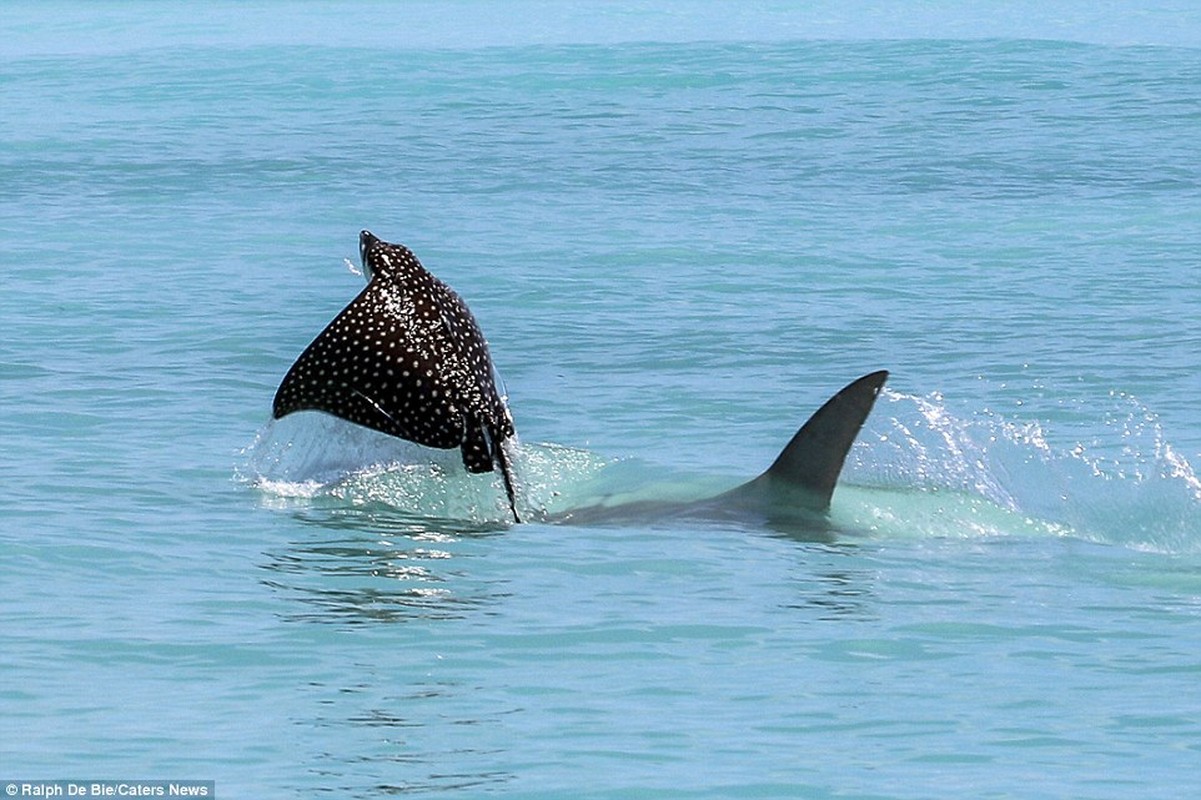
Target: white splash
<point>1124,484</point>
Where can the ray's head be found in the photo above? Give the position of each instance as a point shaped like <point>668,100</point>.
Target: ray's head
<point>383,258</point>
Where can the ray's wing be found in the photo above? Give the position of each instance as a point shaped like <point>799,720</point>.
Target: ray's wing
<point>381,363</point>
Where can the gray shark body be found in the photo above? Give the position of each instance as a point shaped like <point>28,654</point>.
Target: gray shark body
<point>793,493</point>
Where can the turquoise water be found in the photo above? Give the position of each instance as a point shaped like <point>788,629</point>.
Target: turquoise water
<point>682,229</point>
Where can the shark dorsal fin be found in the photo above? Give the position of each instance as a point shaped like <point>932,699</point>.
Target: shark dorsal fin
<point>813,459</point>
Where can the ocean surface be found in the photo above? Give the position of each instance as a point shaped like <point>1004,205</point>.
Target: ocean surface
<point>682,226</point>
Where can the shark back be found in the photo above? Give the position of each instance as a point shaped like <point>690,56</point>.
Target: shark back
<point>794,493</point>
<point>807,470</point>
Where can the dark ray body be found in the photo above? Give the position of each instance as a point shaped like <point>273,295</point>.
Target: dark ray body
<point>406,358</point>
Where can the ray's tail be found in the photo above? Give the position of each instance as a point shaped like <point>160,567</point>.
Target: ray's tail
<point>506,471</point>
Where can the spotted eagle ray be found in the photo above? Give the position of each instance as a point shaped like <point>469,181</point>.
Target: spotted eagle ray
<point>406,358</point>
